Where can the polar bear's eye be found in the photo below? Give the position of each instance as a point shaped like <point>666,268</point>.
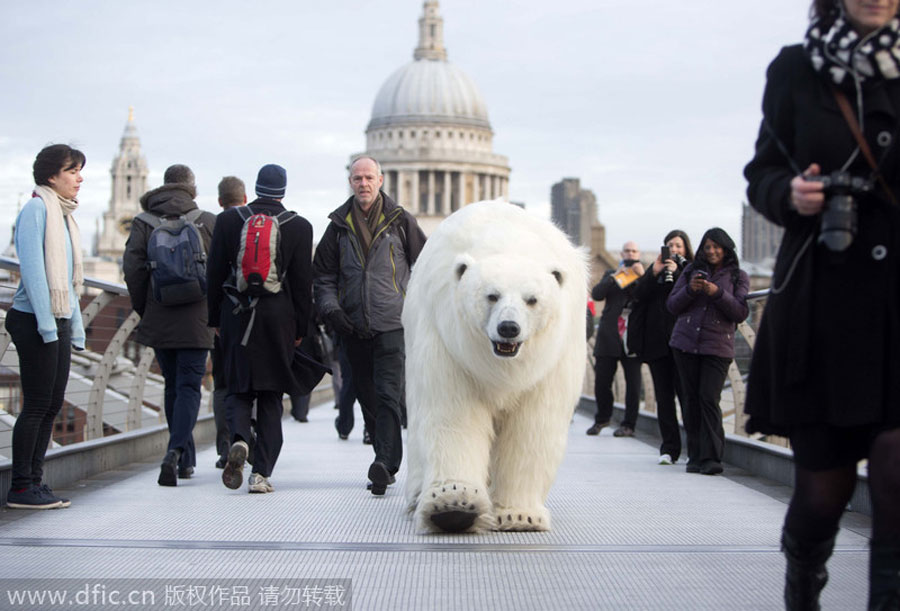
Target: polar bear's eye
<point>531,301</point>
<point>493,298</point>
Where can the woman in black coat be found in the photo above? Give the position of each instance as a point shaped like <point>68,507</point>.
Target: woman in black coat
<point>827,356</point>
<point>649,329</point>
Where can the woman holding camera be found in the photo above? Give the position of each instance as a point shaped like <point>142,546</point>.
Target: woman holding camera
<point>825,365</point>
<point>709,299</point>
<point>44,320</point>
<point>649,329</point>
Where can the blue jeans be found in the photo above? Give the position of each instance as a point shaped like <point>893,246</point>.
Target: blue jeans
<point>183,370</point>
<point>44,373</point>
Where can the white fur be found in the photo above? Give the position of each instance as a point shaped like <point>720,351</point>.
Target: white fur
<point>486,432</point>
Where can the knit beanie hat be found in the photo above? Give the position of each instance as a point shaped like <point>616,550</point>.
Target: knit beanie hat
<point>271,181</point>
<point>178,173</point>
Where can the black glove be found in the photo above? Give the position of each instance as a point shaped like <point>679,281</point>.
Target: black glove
<point>340,322</point>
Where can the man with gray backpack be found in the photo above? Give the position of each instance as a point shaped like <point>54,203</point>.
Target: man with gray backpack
<point>165,270</point>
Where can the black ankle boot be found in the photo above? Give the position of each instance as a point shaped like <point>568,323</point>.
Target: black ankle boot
<point>884,577</point>
<point>806,574</point>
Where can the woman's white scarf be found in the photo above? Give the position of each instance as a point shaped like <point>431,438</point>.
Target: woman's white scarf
<point>55,261</point>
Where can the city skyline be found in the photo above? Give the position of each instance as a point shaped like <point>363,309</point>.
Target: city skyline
<point>654,109</point>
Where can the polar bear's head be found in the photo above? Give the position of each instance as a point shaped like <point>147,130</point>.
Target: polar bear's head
<point>506,300</point>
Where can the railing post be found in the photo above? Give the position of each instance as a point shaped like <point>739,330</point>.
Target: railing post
<point>94,427</point>
<point>136,394</point>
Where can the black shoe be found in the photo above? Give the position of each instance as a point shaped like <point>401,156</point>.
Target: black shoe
<point>220,464</point>
<point>391,481</point>
<point>31,498</point>
<point>168,469</point>
<point>711,467</point>
<point>185,472</point>
<point>45,490</point>
<point>597,427</point>
<point>381,478</point>
<point>624,431</point>
<point>366,438</point>
<point>692,467</point>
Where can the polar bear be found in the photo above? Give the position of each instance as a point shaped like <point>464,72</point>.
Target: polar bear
<point>495,358</point>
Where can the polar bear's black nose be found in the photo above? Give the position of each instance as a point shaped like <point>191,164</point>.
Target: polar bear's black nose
<point>508,329</point>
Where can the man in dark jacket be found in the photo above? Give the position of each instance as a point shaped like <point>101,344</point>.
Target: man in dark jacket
<point>258,340</point>
<point>609,349</point>
<point>231,193</point>
<point>178,333</point>
<point>362,266</point>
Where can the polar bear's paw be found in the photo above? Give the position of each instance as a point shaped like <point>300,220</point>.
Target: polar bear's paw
<point>513,519</point>
<point>454,507</point>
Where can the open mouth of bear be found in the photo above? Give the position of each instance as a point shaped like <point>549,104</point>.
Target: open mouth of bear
<point>503,349</point>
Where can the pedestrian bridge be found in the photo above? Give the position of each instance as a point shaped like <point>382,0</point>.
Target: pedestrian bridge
<point>627,533</point>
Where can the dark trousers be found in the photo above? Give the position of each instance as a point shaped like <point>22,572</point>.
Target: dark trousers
<point>347,395</point>
<point>666,384</point>
<point>300,406</point>
<point>604,372</point>
<point>377,366</point>
<point>223,436</point>
<point>702,377</point>
<point>44,373</point>
<point>269,411</point>
<point>183,370</point>
<point>220,390</point>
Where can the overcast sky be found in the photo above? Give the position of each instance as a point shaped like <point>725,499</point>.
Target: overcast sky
<point>653,104</point>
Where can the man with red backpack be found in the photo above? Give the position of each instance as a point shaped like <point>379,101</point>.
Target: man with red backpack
<point>260,301</point>
<point>170,299</point>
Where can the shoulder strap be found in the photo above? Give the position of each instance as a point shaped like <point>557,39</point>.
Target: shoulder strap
<point>241,210</point>
<point>149,218</point>
<point>844,105</point>
<point>193,215</point>
<point>285,216</point>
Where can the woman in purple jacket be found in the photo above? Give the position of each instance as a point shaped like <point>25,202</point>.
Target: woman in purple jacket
<point>709,299</point>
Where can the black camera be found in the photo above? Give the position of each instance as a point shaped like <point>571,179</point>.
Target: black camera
<point>839,214</point>
<point>679,261</point>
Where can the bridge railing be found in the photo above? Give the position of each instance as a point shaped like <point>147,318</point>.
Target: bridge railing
<point>734,391</point>
<point>112,387</point>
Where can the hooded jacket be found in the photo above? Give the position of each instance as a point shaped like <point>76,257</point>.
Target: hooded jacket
<point>165,326</point>
<point>369,289</point>
<point>706,324</point>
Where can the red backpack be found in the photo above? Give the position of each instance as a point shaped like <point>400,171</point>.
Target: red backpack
<point>258,268</point>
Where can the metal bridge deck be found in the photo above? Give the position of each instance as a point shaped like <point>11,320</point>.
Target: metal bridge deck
<point>628,534</point>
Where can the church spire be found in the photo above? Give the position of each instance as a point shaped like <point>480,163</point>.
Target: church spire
<point>431,34</point>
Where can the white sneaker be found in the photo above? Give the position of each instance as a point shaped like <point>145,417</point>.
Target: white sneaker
<point>258,483</point>
<point>665,459</point>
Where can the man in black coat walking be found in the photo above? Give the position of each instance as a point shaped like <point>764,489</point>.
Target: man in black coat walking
<point>258,337</point>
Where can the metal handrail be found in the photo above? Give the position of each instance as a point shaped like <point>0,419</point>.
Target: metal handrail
<point>113,380</point>
<point>735,380</point>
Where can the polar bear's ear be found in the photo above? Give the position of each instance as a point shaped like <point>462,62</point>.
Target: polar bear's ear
<point>558,275</point>
<point>461,264</point>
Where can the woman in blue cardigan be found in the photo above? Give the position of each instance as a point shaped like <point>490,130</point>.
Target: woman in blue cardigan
<point>45,318</point>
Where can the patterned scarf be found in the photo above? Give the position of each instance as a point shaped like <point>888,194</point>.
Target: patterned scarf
<point>841,51</point>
